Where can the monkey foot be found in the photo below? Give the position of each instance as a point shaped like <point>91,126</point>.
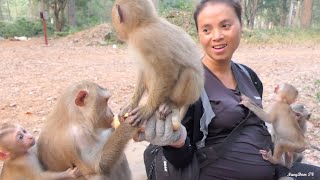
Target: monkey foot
<point>176,126</point>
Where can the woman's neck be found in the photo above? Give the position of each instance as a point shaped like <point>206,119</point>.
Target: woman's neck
<point>217,67</point>
<point>222,69</point>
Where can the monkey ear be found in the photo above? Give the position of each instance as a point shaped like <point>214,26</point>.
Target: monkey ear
<point>4,156</point>
<point>120,14</point>
<point>81,97</point>
<point>308,116</point>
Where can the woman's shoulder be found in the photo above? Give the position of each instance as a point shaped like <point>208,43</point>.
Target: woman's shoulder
<point>253,76</point>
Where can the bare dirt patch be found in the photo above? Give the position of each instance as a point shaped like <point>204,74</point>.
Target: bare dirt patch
<point>33,76</point>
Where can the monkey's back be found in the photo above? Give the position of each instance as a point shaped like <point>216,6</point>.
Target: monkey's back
<point>286,125</point>
<point>168,43</point>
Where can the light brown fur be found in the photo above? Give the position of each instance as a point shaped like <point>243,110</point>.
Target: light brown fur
<point>170,67</point>
<point>78,132</point>
<point>289,137</point>
<point>21,160</point>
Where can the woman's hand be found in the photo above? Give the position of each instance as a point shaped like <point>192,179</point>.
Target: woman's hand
<point>161,133</point>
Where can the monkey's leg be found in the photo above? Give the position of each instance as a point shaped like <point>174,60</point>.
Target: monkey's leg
<point>177,117</point>
<point>282,146</point>
<point>288,159</point>
<point>187,89</point>
<point>157,94</point>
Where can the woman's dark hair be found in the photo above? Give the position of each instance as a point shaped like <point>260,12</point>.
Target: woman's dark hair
<point>235,4</point>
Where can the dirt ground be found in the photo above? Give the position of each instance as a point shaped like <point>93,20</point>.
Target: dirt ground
<point>33,76</point>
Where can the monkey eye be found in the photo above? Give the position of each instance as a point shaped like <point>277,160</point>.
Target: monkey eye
<point>24,131</point>
<point>20,137</point>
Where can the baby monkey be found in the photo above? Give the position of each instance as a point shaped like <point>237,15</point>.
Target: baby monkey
<point>18,152</point>
<point>289,137</point>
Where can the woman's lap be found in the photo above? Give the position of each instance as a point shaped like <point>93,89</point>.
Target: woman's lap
<point>224,169</point>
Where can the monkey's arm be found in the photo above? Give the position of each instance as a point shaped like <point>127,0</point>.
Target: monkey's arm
<point>137,95</point>
<point>57,175</point>
<point>247,102</point>
<point>114,147</point>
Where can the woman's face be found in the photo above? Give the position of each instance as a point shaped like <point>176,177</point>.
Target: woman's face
<point>219,30</point>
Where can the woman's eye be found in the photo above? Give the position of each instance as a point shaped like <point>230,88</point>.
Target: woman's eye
<point>226,25</point>
<point>206,31</point>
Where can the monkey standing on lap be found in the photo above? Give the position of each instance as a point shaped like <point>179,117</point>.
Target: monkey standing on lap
<point>170,63</point>
<point>20,158</point>
<point>78,133</point>
<point>289,137</point>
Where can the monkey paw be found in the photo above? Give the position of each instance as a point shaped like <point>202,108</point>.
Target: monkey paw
<point>163,111</point>
<point>125,109</point>
<point>267,155</point>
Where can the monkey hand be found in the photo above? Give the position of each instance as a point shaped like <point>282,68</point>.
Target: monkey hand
<point>139,115</point>
<point>247,102</point>
<point>267,155</point>
<point>125,109</point>
<point>161,133</point>
<point>73,173</point>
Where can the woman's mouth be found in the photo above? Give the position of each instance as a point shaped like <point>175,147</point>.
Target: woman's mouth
<point>219,48</point>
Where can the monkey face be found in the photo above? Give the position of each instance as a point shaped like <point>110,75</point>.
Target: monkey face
<point>93,100</point>
<point>219,30</point>
<point>19,140</point>
<point>105,110</point>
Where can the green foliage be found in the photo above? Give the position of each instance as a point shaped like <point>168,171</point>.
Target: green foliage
<point>281,35</point>
<point>181,18</point>
<point>176,4</point>
<point>316,14</point>
<point>22,27</point>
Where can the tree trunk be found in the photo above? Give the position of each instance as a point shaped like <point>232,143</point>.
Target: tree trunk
<point>297,15</point>
<point>284,12</point>
<point>253,13</point>
<point>290,13</point>
<point>72,13</point>
<point>9,12</point>
<point>306,13</point>
<point>58,7</point>
<point>1,16</point>
<point>243,6</point>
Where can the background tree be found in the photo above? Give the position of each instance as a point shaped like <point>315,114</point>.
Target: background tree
<point>72,13</point>
<point>306,17</point>
<point>58,10</point>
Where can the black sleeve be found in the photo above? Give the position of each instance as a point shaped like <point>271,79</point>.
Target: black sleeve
<point>255,79</point>
<point>181,157</point>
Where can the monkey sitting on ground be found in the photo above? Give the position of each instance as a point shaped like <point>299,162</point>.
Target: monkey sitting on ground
<point>78,133</point>
<point>289,137</point>
<point>170,67</point>
<point>20,157</point>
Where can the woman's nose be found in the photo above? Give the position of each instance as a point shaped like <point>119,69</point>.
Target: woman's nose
<point>217,35</point>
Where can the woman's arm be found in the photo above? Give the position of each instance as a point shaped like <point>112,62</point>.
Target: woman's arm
<point>180,154</point>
